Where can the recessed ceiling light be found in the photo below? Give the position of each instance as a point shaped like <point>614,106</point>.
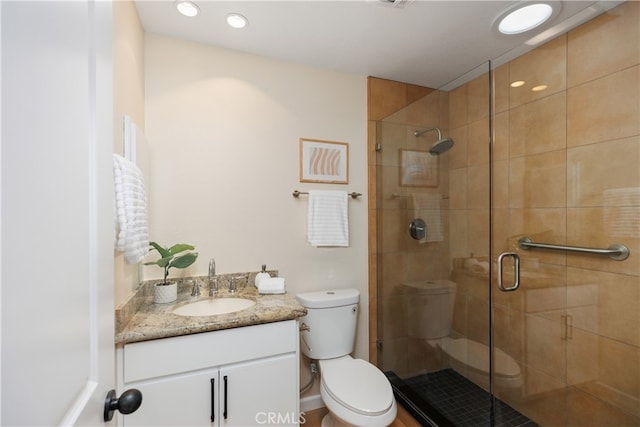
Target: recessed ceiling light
<point>539,88</point>
<point>524,17</point>
<point>517,83</point>
<point>236,20</point>
<point>187,8</point>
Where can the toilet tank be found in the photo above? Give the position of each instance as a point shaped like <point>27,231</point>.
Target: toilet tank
<point>329,328</point>
<point>429,305</point>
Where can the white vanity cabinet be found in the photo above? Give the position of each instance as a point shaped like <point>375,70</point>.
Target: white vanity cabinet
<point>244,376</point>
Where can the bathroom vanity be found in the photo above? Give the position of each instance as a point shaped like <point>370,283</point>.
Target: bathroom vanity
<point>236,369</point>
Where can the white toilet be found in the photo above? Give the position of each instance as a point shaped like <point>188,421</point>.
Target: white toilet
<point>356,392</point>
<point>430,315</point>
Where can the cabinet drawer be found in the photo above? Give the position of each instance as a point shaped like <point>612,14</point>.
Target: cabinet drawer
<point>150,359</point>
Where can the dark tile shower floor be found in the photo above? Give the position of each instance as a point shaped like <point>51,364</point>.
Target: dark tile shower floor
<point>462,402</point>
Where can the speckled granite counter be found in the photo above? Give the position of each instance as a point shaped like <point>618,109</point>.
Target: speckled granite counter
<point>139,319</point>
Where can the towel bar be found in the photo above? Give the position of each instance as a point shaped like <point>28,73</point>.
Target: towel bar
<point>297,193</point>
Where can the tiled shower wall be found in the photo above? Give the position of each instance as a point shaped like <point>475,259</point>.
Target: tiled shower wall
<point>566,170</point>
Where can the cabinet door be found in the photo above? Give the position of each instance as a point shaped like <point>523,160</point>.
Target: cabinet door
<point>260,393</point>
<point>178,400</point>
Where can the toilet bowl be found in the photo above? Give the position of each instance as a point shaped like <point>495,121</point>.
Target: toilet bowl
<point>430,306</point>
<point>355,392</point>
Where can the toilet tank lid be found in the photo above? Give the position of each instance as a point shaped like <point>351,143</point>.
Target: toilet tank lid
<point>329,298</point>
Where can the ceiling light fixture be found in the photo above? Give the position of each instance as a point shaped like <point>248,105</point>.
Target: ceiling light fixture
<point>524,17</point>
<point>187,8</point>
<point>236,20</point>
<point>518,83</point>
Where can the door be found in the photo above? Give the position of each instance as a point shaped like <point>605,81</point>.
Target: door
<point>57,226</point>
<point>259,392</point>
<point>190,399</point>
<point>571,328</point>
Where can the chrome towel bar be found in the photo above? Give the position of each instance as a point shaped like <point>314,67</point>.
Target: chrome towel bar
<point>297,193</point>
<point>616,251</point>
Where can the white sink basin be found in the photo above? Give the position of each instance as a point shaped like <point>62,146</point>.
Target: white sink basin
<point>214,306</point>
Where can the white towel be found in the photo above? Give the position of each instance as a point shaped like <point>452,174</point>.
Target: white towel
<point>272,285</point>
<point>328,218</point>
<point>132,234</point>
<point>427,207</point>
<point>621,217</point>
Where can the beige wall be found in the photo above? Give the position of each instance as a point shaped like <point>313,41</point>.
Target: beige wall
<point>224,129</point>
<point>128,99</point>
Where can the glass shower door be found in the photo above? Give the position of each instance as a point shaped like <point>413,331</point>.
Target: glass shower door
<point>546,147</point>
<point>566,162</point>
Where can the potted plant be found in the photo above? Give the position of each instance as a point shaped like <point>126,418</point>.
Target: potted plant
<point>172,257</point>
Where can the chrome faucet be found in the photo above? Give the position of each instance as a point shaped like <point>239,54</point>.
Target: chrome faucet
<point>213,281</point>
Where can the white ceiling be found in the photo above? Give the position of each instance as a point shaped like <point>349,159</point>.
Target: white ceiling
<point>424,42</point>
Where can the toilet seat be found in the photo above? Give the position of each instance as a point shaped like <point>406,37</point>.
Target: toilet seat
<point>476,355</point>
<point>471,359</point>
<point>357,385</point>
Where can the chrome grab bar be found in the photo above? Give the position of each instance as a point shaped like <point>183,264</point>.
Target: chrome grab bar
<point>516,271</point>
<point>616,251</point>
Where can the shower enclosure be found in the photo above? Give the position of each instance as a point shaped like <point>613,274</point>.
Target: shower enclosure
<point>476,326</point>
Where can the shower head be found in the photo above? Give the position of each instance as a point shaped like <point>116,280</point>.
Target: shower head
<point>440,146</point>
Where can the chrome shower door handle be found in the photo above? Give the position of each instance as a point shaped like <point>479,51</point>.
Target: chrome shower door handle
<point>516,271</point>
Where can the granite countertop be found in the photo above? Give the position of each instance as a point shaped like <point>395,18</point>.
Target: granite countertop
<point>140,319</point>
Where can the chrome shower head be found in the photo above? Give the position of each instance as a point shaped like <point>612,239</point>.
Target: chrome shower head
<point>440,146</point>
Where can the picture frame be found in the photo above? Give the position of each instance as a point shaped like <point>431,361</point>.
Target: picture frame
<point>418,169</point>
<point>324,161</point>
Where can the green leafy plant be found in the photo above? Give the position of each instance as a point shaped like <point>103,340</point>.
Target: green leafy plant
<point>170,258</point>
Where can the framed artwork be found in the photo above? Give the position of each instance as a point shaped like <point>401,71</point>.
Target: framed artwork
<point>418,169</point>
<point>324,161</point>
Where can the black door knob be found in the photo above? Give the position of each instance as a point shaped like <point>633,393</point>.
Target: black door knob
<point>127,403</point>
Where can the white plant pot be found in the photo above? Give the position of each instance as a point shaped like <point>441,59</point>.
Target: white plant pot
<point>163,294</point>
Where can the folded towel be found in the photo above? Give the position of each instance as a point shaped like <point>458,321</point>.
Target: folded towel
<point>328,218</point>
<point>132,234</point>
<point>273,285</point>
<point>427,207</point>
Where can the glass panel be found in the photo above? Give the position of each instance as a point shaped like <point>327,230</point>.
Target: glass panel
<point>566,168</point>
<point>433,290</point>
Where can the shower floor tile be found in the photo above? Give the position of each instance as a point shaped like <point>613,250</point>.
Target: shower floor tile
<point>464,403</point>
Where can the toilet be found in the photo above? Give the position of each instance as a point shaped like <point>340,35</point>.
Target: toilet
<point>355,392</point>
<point>430,315</point>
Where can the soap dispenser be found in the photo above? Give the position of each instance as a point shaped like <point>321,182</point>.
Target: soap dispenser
<point>262,275</point>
